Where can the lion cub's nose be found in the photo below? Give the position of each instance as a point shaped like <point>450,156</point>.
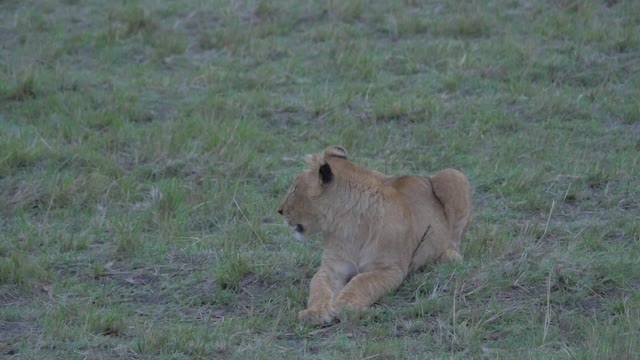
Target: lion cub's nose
<point>280,211</point>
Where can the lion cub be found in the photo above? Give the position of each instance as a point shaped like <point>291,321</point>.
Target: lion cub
<point>376,228</point>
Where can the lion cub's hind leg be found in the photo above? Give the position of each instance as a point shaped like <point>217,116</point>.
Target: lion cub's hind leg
<point>451,255</point>
<point>453,190</point>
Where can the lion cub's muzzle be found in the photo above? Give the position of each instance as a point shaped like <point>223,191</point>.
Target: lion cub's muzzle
<point>298,229</point>
<point>298,232</point>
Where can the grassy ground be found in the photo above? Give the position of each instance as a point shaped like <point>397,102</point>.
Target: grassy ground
<point>145,145</point>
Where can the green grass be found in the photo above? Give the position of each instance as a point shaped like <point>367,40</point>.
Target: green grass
<point>144,148</point>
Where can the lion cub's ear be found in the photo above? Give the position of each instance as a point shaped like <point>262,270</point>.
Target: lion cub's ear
<point>335,151</point>
<point>326,175</point>
<point>315,163</point>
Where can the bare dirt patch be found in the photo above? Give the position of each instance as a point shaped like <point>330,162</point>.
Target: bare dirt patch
<point>12,333</point>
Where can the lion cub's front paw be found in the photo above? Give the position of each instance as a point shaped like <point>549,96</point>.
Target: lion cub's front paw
<point>348,311</point>
<point>317,315</point>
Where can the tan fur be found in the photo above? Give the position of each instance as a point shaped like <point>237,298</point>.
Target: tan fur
<point>377,229</point>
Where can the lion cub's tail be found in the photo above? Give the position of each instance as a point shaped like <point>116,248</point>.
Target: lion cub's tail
<point>453,190</point>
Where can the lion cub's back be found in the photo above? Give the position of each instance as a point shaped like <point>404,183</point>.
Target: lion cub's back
<point>410,186</point>
<point>417,193</point>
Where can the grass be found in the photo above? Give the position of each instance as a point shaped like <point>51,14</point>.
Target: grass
<point>144,148</point>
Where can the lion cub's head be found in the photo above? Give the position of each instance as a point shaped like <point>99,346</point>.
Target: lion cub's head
<point>302,206</point>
